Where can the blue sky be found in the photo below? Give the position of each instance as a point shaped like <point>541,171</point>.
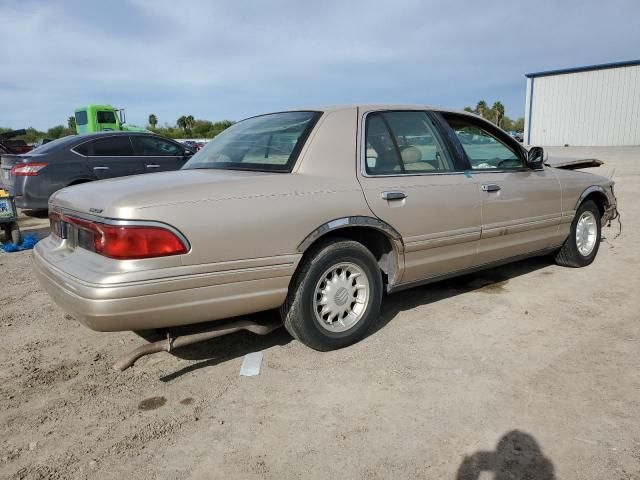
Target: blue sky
<point>233,59</point>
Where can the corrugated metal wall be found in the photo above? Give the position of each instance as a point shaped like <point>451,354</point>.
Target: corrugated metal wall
<point>592,108</point>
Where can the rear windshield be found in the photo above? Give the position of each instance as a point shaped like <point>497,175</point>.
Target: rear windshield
<point>269,143</point>
<point>53,145</point>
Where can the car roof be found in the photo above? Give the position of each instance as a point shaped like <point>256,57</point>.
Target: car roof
<point>109,133</point>
<point>71,141</point>
<point>366,107</point>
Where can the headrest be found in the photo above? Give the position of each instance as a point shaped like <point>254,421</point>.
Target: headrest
<point>411,155</point>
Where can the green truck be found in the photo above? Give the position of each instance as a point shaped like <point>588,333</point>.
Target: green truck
<point>100,118</point>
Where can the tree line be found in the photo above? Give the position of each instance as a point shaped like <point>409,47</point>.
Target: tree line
<point>185,126</point>
<point>495,114</point>
<point>188,126</point>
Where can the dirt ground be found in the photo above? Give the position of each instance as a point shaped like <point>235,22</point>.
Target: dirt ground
<point>530,368</point>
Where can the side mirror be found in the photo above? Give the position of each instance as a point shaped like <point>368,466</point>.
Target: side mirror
<point>535,157</point>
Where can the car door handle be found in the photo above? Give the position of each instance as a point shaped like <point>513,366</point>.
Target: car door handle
<point>490,187</point>
<point>393,195</point>
<point>101,168</point>
<point>153,166</point>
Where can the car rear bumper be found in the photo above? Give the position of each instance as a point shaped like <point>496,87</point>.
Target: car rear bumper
<point>27,203</point>
<point>28,194</point>
<point>163,302</point>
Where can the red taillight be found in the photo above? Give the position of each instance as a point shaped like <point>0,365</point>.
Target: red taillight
<point>127,242</point>
<point>27,169</point>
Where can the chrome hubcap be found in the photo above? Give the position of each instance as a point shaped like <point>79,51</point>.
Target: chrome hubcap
<point>586,233</point>
<point>341,297</point>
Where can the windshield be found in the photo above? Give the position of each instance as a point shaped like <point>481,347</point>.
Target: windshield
<point>81,117</point>
<point>269,143</point>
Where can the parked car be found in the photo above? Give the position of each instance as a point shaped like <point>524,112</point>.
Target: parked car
<point>517,135</point>
<point>193,145</point>
<point>34,177</point>
<point>317,213</point>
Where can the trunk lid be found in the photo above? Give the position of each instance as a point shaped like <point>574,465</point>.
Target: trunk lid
<point>120,197</point>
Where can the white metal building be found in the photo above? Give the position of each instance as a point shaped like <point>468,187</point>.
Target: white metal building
<point>596,105</point>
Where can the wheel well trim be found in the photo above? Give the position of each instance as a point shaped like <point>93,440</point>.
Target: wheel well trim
<point>593,189</point>
<point>351,221</point>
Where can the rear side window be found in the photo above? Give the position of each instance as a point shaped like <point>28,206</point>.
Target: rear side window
<point>404,142</point>
<point>118,146</point>
<point>106,117</point>
<point>153,146</point>
<point>81,117</point>
<point>484,149</point>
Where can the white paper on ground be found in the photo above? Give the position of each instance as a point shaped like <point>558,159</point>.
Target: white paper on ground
<point>251,364</point>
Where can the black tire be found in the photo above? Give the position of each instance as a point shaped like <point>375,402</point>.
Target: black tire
<point>298,312</point>
<point>569,255</point>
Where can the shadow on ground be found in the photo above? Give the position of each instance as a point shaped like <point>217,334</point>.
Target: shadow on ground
<point>34,222</point>
<point>517,456</point>
<point>36,213</point>
<point>221,349</point>
<point>491,281</point>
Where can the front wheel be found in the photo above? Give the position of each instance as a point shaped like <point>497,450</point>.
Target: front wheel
<point>335,296</point>
<point>581,247</point>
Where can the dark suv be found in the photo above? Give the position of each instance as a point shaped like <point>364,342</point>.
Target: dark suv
<point>33,177</point>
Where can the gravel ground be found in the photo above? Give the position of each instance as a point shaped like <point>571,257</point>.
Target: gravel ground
<point>530,368</point>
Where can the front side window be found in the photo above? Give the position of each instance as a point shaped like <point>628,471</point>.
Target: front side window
<point>484,150</point>
<point>268,143</point>
<point>81,117</point>
<point>106,117</point>
<point>118,146</point>
<point>404,142</point>
<point>156,147</point>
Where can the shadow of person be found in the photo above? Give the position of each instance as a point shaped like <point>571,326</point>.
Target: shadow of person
<point>517,457</point>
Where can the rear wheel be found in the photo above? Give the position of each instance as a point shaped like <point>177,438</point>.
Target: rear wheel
<point>581,247</point>
<point>335,296</point>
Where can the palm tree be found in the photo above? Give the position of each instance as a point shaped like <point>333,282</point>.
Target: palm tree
<point>481,108</point>
<point>153,120</point>
<point>498,110</point>
<point>190,122</point>
<point>71,122</point>
<point>182,123</point>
